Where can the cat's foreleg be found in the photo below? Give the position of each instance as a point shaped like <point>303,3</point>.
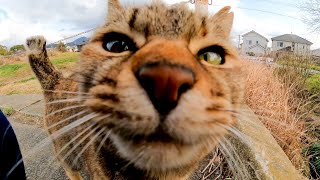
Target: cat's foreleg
<point>40,63</point>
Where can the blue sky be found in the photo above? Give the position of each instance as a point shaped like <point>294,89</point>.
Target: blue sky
<point>57,19</point>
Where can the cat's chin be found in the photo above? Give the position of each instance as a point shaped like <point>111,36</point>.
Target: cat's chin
<point>159,155</point>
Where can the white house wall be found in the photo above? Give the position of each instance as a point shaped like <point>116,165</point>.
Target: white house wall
<point>254,38</point>
<point>257,50</point>
<point>298,47</point>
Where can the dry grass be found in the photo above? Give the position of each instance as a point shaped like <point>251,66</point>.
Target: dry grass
<point>16,76</point>
<point>276,105</point>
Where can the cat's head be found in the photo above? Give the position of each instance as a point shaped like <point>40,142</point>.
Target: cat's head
<point>166,78</point>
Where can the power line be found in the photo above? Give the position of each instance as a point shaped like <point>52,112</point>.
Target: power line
<point>269,12</point>
<point>277,3</point>
<point>84,32</point>
<point>264,11</point>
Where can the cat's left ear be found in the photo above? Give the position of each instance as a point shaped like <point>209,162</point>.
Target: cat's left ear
<point>115,10</point>
<point>222,22</point>
<point>113,4</point>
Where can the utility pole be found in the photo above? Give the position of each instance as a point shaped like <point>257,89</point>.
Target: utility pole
<point>202,6</point>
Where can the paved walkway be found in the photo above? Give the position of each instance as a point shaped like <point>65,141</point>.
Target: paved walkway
<point>29,104</point>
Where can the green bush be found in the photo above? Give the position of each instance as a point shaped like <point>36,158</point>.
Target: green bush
<point>314,159</point>
<point>313,84</point>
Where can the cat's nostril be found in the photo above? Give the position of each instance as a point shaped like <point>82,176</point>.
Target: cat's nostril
<point>165,84</point>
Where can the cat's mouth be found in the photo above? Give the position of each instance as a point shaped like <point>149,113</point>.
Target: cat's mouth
<point>158,150</point>
<point>160,135</point>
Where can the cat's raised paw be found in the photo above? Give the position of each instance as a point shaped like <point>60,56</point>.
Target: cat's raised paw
<point>36,44</point>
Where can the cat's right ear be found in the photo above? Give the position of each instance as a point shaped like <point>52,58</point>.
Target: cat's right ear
<point>115,9</point>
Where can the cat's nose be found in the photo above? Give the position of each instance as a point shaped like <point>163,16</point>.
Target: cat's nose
<point>165,84</point>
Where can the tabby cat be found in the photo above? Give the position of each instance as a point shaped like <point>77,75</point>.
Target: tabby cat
<point>153,94</point>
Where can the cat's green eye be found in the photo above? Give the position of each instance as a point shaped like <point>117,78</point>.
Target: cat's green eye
<point>213,55</point>
<point>118,43</point>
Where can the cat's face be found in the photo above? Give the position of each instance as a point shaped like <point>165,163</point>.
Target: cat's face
<point>168,80</point>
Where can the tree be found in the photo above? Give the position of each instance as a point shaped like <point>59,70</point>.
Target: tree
<point>61,47</point>
<point>17,48</point>
<point>311,8</point>
<point>4,51</point>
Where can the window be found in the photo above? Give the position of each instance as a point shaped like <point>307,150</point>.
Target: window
<point>279,44</point>
<point>292,46</point>
<point>250,42</point>
<point>302,47</point>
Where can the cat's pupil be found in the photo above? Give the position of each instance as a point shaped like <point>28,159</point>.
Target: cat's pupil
<point>117,46</point>
<point>205,56</point>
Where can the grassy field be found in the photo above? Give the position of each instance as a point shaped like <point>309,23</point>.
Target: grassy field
<point>313,66</point>
<point>16,77</point>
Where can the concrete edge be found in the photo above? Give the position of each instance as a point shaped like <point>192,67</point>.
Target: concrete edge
<point>260,153</point>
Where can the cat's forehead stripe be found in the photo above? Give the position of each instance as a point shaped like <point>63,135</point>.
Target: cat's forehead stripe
<point>133,17</point>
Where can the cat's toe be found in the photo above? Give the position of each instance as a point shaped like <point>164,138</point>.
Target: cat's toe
<point>36,44</point>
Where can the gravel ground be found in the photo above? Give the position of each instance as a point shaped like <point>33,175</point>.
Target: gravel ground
<point>38,158</point>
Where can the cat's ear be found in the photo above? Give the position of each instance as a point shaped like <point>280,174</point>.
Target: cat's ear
<point>222,22</point>
<point>113,4</point>
<point>115,9</point>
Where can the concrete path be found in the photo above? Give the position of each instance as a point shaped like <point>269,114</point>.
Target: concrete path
<point>38,157</point>
<point>29,104</point>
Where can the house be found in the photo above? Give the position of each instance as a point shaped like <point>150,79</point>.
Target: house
<point>315,52</point>
<point>76,45</point>
<point>73,48</point>
<point>291,43</point>
<point>80,45</point>
<point>254,44</point>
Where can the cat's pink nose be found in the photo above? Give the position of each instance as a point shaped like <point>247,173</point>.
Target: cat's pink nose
<point>165,84</point>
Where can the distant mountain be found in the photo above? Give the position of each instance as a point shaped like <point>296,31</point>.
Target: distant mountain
<point>79,41</point>
<point>51,46</point>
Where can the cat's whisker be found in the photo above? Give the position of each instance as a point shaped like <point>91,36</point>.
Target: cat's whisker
<point>57,134</point>
<point>134,159</point>
<point>234,161</point>
<point>243,117</point>
<point>67,119</point>
<point>130,95</point>
<point>79,143</point>
<point>78,81</point>
<point>72,125</point>
<point>69,143</point>
<point>65,109</point>
<point>66,101</point>
<point>67,92</point>
<point>94,138</point>
<point>74,139</point>
<point>235,132</point>
<point>39,147</point>
<point>104,140</point>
